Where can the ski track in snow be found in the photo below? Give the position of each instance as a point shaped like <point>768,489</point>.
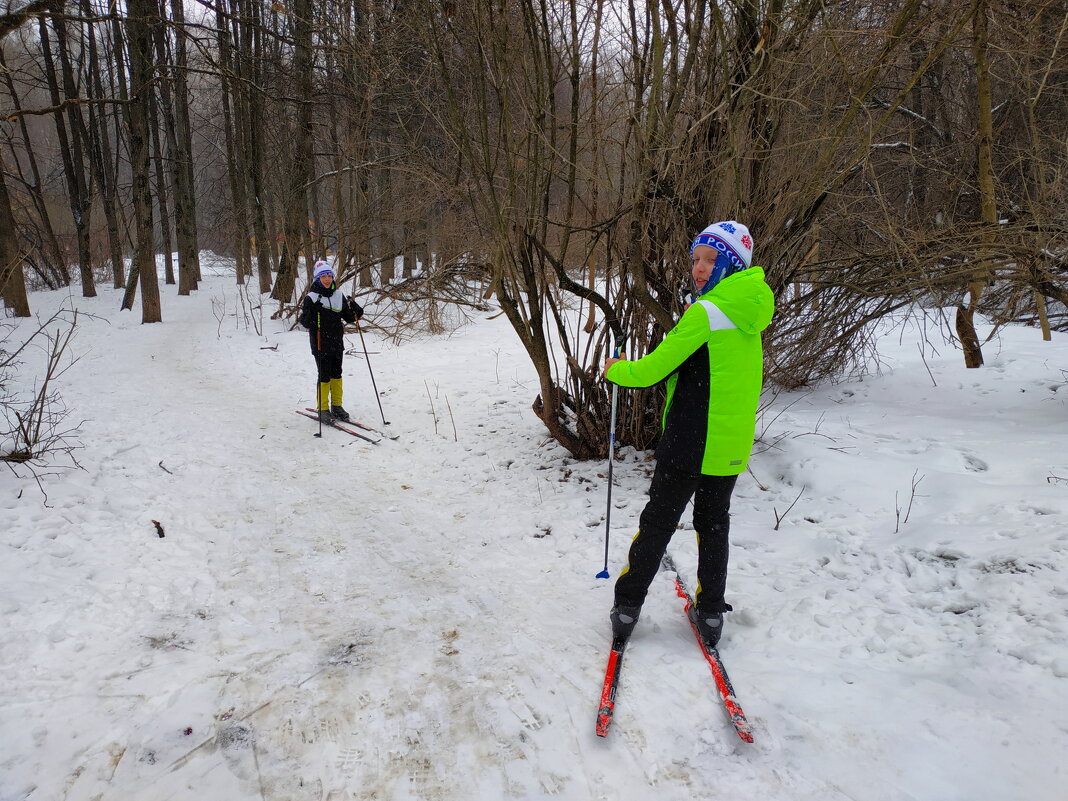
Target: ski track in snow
<point>334,620</point>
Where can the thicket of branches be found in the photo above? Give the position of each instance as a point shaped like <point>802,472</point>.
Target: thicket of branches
<point>32,421</point>
<point>887,156</point>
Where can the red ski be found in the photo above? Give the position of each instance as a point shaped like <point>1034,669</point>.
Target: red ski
<point>358,424</point>
<point>611,684</point>
<point>339,426</point>
<point>719,673</point>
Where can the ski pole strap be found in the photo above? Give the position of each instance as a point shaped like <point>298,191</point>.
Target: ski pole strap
<point>619,346</point>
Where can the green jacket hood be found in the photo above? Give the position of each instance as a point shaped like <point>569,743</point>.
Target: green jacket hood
<point>745,298</point>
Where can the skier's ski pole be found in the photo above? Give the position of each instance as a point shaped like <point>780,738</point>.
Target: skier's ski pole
<point>611,458</point>
<point>318,369</point>
<point>367,357</point>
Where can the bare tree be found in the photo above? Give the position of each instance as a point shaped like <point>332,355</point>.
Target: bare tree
<point>180,138</point>
<point>299,121</point>
<point>141,16</point>
<point>51,266</point>
<point>973,354</point>
<point>888,157</point>
<point>105,169</point>
<point>12,278</point>
<point>73,139</point>
<point>235,127</point>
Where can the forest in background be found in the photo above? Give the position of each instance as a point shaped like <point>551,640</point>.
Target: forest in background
<point>889,157</point>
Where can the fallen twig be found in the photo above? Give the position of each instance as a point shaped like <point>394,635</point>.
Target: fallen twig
<point>779,518</point>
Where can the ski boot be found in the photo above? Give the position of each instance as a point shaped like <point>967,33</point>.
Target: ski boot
<point>624,618</point>
<point>709,626</point>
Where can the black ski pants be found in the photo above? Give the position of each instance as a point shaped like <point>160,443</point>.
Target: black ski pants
<point>328,363</point>
<point>669,493</point>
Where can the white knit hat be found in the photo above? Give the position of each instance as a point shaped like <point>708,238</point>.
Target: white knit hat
<point>730,238</point>
<point>322,268</point>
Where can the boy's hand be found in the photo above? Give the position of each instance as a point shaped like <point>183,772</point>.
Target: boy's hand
<point>612,360</point>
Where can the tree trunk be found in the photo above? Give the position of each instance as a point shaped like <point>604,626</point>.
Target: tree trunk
<point>296,200</point>
<point>234,127</point>
<point>56,273</point>
<point>965,317</point>
<point>72,141</point>
<point>12,278</point>
<point>387,245</point>
<point>120,121</point>
<point>185,208</point>
<point>251,70</point>
<point>106,179</point>
<point>141,16</point>
<point>163,193</point>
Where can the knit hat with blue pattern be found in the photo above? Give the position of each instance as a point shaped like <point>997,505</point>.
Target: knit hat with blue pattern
<point>733,246</point>
<point>730,238</point>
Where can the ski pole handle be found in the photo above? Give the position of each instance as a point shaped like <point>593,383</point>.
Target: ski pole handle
<point>612,430</point>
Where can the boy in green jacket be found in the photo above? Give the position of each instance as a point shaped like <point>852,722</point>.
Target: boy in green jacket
<point>714,364</point>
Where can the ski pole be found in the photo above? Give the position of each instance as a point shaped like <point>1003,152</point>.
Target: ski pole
<point>367,358</point>
<point>318,368</point>
<point>611,458</point>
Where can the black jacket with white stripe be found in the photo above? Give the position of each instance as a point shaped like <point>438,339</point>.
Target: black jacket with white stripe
<point>328,310</point>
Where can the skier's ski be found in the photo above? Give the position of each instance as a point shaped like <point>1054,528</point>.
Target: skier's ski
<point>337,425</point>
<point>364,426</point>
<point>611,684</point>
<point>719,673</point>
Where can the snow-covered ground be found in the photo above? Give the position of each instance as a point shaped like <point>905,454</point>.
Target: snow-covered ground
<point>328,619</point>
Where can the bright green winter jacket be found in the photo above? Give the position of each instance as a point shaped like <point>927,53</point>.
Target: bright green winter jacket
<point>714,377</point>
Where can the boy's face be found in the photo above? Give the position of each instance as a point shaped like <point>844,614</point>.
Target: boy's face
<point>704,259</point>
